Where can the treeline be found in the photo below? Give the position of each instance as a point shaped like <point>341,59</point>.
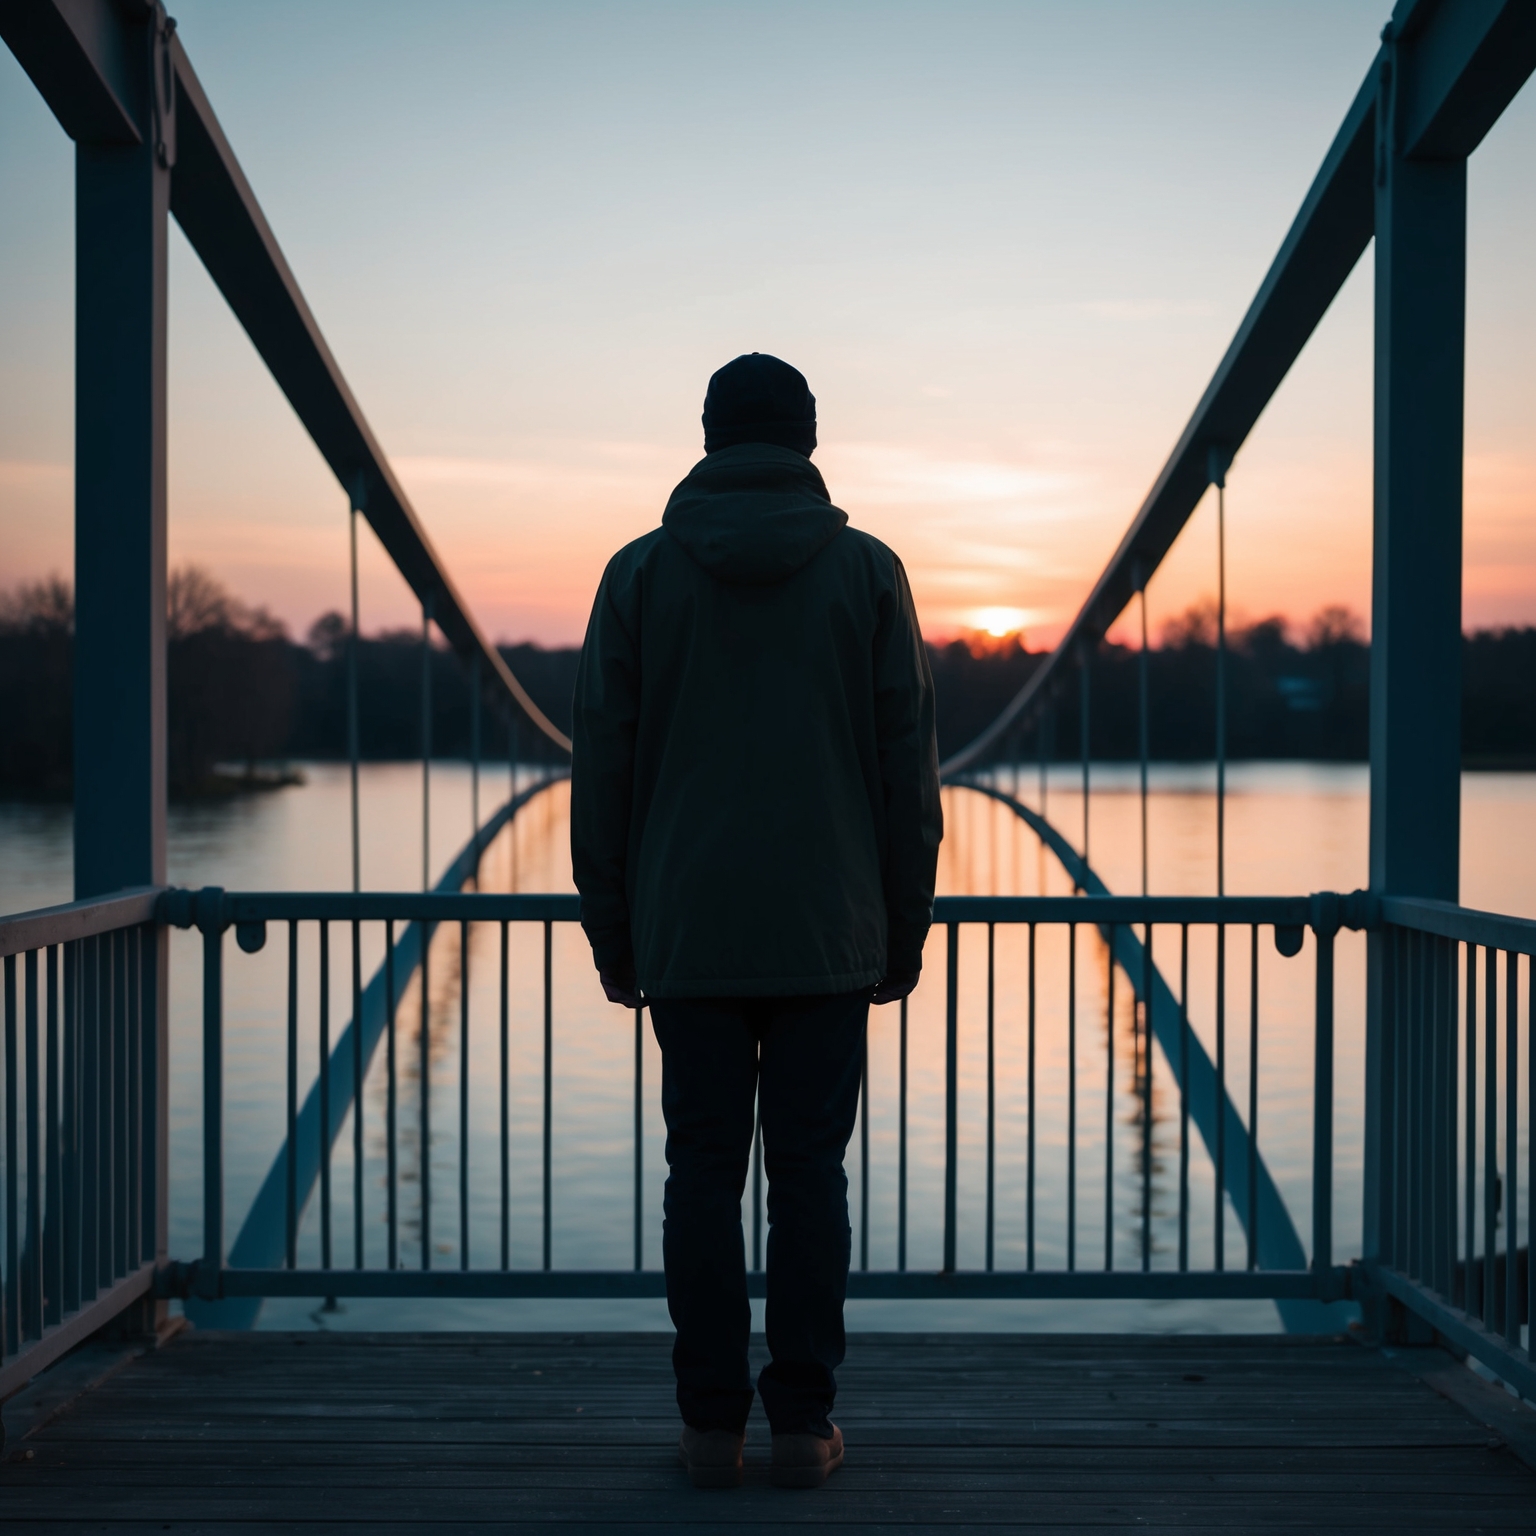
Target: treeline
<point>243,693</point>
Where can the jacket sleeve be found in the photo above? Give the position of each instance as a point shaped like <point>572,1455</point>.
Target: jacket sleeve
<point>909,772</point>
<point>604,713</point>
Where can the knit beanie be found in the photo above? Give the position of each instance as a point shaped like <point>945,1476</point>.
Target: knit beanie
<point>759,399</point>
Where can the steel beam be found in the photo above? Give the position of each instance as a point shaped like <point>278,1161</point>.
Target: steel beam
<point>215,206</point>
<point>85,63</point>
<point>122,195</point>
<point>1459,64</point>
<point>86,57</point>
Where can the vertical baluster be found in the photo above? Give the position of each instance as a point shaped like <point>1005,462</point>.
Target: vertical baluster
<point>1408,1079</point>
<point>463,1095</point>
<point>991,1088</point>
<point>1413,1124</point>
<point>549,1123</point>
<point>951,1089</point>
<point>1423,1111</point>
<point>1512,1147</point>
<point>864,1152</point>
<point>12,1307</point>
<point>1446,1115</point>
<point>89,1056</point>
<point>134,1211</point>
<point>1469,1298</point>
<point>1253,1096</point>
<point>1490,1134</point>
<point>71,1128</point>
<point>213,1107</point>
<point>506,1119</point>
<point>1109,1110</point>
<point>1322,1106</point>
<point>639,1137</point>
<point>32,1253</point>
<point>1219,1229</point>
<point>325,1094</point>
<point>1183,1096</point>
<point>106,1099</point>
<point>53,1222</point>
<point>1433,1128</point>
<point>152,1143</point>
<point>121,1155</point>
<point>357,1093</point>
<point>391,1100</point>
<point>901,1146</point>
<point>1147,973</point>
<point>1029,1181</point>
<point>1071,1096</point>
<point>424,1096</point>
<point>291,1201</point>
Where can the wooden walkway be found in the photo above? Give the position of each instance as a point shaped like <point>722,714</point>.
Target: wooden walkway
<point>289,1432</point>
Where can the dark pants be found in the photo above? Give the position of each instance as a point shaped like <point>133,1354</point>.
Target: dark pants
<point>805,1055</point>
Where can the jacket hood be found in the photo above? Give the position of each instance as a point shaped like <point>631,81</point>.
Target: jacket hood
<point>753,514</point>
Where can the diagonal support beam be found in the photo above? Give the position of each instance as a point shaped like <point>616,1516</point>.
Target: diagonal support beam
<point>1458,64</point>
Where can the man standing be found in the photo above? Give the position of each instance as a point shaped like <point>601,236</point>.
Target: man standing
<point>755,827</point>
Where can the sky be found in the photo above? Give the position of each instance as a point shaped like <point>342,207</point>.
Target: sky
<point>1006,243</point>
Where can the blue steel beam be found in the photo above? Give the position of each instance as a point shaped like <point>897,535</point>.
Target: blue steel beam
<point>85,57</point>
<point>1461,63</point>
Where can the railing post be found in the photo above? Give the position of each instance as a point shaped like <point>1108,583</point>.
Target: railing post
<point>951,1088</point>
<point>122,202</point>
<point>1420,221</point>
<point>210,921</point>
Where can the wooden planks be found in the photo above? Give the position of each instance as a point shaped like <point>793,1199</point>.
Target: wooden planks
<point>438,1432</point>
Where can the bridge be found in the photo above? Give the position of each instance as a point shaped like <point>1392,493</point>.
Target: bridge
<point>1363,1412</point>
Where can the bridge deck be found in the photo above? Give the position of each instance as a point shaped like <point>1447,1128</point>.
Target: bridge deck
<point>431,1432</point>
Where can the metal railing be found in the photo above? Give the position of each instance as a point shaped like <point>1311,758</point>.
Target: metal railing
<point>1055,993</point>
<point>84,1123</point>
<point>1449,1132</point>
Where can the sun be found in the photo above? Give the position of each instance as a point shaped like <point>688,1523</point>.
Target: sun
<point>998,622</point>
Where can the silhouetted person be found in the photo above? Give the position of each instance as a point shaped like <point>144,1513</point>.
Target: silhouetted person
<point>755,827</point>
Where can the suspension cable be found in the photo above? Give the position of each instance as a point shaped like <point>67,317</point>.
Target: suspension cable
<point>1145,732</point>
<point>353,748</point>
<point>426,746</point>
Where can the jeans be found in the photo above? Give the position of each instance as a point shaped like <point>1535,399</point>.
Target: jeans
<point>804,1057</point>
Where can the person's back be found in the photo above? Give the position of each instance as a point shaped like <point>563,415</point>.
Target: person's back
<point>755,827</point>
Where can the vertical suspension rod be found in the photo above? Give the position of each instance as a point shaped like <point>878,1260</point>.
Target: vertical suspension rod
<point>353,744</point>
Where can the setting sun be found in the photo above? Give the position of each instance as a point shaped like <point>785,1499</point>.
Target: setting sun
<point>998,622</point>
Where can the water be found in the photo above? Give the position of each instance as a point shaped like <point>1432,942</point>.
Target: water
<point>1290,828</point>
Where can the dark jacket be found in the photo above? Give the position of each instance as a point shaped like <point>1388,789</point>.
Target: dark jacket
<point>755,790</point>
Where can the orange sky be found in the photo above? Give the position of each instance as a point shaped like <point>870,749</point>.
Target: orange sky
<point>1006,244</point>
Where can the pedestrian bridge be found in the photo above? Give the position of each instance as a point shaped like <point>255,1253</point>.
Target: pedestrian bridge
<point>391,1062</point>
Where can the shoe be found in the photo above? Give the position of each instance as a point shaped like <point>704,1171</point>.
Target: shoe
<point>805,1461</point>
<point>712,1457</point>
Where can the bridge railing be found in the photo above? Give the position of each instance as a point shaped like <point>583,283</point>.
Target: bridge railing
<point>1450,1096</point>
<point>84,1124</point>
<point>1073,1232</point>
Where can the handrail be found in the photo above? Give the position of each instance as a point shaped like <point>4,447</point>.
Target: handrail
<point>78,919</point>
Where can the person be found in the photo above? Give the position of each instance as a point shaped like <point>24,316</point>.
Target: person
<point>755,826</point>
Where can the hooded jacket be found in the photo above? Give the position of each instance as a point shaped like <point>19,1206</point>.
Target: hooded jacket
<point>755,792</point>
